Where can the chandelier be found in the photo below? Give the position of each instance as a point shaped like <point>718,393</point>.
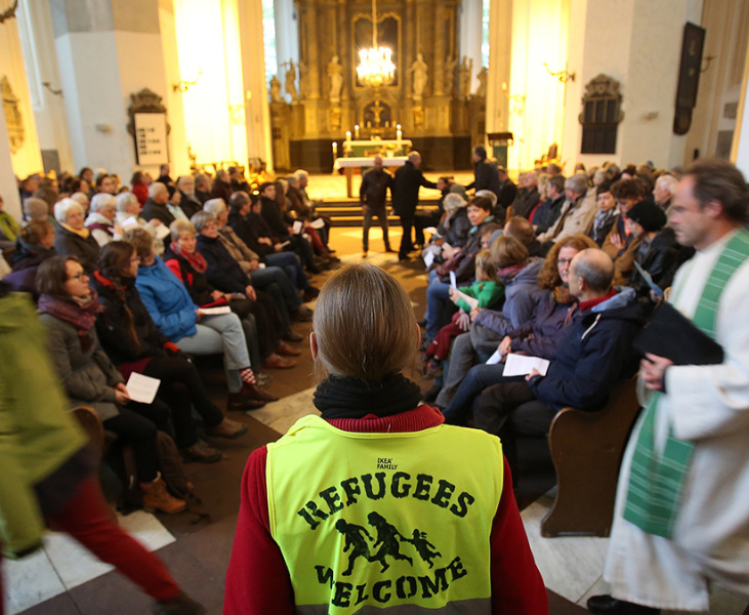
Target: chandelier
<point>376,66</point>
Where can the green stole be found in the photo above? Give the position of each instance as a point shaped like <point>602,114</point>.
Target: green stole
<point>656,481</point>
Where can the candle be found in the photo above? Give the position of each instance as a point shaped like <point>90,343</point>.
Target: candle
<point>335,150</point>
<point>356,132</point>
<point>348,135</point>
<point>399,134</point>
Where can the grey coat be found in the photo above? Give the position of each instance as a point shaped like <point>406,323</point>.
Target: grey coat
<point>88,376</point>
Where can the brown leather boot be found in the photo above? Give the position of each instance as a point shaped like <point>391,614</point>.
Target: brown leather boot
<point>200,452</point>
<point>254,392</point>
<point>237,401</point>
<point>156,497</point>
<point>289,351</point>
<point>228,429</point>
<point>276,362</point>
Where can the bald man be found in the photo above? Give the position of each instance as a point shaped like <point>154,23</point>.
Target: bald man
<point>373,197</point>
<point>593,356</point>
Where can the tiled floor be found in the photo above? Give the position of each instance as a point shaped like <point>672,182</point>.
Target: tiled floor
<point>62,580</point>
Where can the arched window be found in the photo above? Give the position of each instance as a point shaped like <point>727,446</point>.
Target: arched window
<point>601,114</point>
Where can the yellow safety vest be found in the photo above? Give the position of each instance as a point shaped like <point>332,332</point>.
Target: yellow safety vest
<point>385,519</point>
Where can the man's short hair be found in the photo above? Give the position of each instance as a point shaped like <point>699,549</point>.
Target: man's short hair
<point>522,230</point>
<point>669,182</point>
<point>301,174</point>
<point>558,182</point>
<point>480,151</point>
<point>140,239</point>
<point>155,188</point>
<point>720,180</point>
<point>603,187</point>
<point>201,219</point>
<point>597,271</point>
<point>215,206</point>
<point>578,183</point>
<point>264,186</point>
<point>200,179</point>
<point>488,194</point>
<point>238,200</point>
<point>414,155</point>
<point>633,188</point>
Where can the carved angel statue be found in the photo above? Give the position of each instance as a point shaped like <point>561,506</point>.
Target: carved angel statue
<point>450,76</point>
<point>483,77</point>
<point>466,71</point>
<point>275,90</point>
<point>419,69</point>
<point>335,72</point>
<point>290,85</point>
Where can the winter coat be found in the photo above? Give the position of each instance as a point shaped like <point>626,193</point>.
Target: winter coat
<point>152,209</point>
<point>540,336</point>
<point>221,190</point>
<point>26,260</point>
<point>39,434</point>
<point>486,177</point>
<point>167,301</point>
<point>88,376</point>
<point>522,294</point>
<point>223,271</point>
<point>574,218</point>
<point>467,265</point>
<point>271,213</point>
<point>101,228</point>
<point>374,188</point>
<point>113,330</point>
<point>249,229</point>
<point>190,204</point>
<point>70,243</point>
<point>507,194</point>
<point>547,214</point>
<point>661,262</point>
<point>460,226</point>
<point>405,189</point>
<point>593,356</point>
<point>237,248</point>
<point>525,203</point>
<point>488,293</point>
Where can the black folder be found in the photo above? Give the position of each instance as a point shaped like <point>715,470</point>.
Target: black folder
<point>672,335</point>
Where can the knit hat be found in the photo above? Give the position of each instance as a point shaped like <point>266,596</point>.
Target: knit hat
<point>648,215</point>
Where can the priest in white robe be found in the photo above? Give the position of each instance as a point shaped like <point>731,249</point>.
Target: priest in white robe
<point>703,409</point>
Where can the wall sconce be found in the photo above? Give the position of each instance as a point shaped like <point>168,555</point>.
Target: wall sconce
<point>707,59</point>
<point>48,85</point>
<point>10,12</point>
<point>183,86</point>
<point>562,75</point>
<point>517,100</point>
<point>236,114</point>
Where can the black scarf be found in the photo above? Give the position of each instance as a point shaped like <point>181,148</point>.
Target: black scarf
<point>344,397</point>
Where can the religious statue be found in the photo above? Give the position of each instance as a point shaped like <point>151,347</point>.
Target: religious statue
<point>466,70</point>
<point>419,69</point>
<point>483,77</point>
<point>450,68</point>
<point>275,90</point>
<point>335,72</point>
<point>290,78</point>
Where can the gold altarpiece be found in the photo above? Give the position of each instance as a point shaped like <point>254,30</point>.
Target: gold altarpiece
<point>443,119</point>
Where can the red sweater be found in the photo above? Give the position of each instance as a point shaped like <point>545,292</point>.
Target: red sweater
<point>258,582</point>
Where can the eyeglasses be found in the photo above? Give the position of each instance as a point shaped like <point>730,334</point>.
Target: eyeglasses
<point>78,276</point>
<point>564,261</point>
<point>135,259</point>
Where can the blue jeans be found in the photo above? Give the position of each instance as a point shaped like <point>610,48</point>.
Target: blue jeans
<point>263,278</point>
<point>479,378</point>
<point>289,262</point>
<point>438,304</point>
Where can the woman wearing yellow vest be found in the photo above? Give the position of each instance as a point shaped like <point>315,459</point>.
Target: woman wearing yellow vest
<point>377,504</point>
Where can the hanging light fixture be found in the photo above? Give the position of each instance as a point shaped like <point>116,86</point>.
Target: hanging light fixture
<point>376,66</point>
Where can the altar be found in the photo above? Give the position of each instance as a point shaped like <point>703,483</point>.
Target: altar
<point>387,148</point>
<point>349,164</point>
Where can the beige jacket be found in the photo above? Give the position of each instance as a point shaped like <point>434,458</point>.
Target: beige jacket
<point>237,248</point>
<point>576,218</point>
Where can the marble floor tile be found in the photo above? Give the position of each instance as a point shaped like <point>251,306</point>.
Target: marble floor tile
<point>29,581</point>
<point>570,566</point>
<point>76,565</point>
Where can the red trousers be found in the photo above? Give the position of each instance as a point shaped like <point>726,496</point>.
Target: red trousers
<point>88,519</point>
<point>440,347</point>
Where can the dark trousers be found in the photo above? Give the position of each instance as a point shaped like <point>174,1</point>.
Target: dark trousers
<point>140,433</point>
<point>382,215</point>
<point>478,379</point>
<point>407,222</point>
<point>267,320</point>
<point>181,389</point>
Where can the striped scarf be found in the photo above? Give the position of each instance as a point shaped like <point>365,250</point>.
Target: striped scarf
<point>656,481</point>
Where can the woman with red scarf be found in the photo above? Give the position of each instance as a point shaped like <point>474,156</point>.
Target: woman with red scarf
<point>136,345</point>
<point>69,307</point>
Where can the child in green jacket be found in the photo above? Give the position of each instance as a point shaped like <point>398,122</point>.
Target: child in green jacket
<point>486,290</point>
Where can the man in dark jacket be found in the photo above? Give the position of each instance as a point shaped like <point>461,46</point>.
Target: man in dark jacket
<point>405,189</point>
<point>549,211</point>
<point>594,355</point>
<point>529,197</point>
<point>658,253</point>
<point>222,186</point>
<point>203,188</point>
<point>508,191</point>
<point>373,196</point>
<point>486,174</point>
<point>155,207</point>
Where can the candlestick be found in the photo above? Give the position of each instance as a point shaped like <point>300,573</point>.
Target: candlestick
<point>335,150</point>
<point>348,136</point>
<point>356,132</point>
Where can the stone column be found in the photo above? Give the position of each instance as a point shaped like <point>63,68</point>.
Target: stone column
<point>313,51</point>
<point>438,70</point>
<point>500,56</point>
<point>107,50</point>
<point>740,146</point>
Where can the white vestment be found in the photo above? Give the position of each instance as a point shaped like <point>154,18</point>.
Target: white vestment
<point>708,405</point>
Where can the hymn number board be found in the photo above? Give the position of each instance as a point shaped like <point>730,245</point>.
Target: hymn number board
<point>151,139</point>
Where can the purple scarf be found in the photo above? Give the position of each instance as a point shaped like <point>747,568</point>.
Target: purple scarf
<point>82,317</point>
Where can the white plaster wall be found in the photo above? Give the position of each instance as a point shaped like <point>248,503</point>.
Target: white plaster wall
<point>28,158</point>
<point>470,35</point>
<point>8,184</point>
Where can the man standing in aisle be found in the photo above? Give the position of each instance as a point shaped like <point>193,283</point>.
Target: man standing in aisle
<point>405,190</point>
<point>373,196</point>
<point>680,521</point>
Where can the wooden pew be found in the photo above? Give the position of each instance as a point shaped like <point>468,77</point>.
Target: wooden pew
<point>587,450</point>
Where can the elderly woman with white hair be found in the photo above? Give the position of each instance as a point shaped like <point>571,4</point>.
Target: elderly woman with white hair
<point>101,218</point>
<point>73,237</point>
<point>128,216</point>
<point>81,198</point>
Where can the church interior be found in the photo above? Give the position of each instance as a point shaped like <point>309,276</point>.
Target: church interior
<point>182,103</point>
